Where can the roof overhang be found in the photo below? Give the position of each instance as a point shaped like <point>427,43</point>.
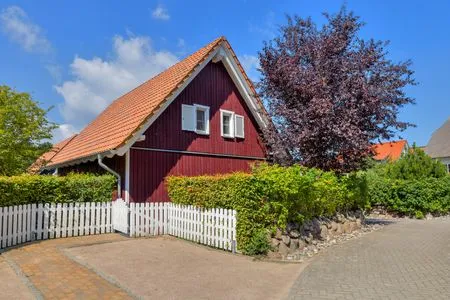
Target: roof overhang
<point>80,160</point>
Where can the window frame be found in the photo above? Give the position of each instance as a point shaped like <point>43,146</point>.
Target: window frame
<point>229,113</point>
<point>205,109</point>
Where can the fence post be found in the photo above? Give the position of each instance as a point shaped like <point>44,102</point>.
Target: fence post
<point>132,217</point>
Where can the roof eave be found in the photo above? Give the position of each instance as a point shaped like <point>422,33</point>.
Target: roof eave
<point>84,159</point>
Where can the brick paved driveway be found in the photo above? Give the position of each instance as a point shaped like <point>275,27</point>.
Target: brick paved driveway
<point>406,260</point>
<point>111,266</point>
<point>51,275</point>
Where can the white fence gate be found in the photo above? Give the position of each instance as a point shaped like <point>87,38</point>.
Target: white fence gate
<point>25,223</point>
<point>120,216</point>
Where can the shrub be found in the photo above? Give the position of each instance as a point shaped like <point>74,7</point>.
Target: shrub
<point>410,197</point>
<point>414,165</point>
<point>27,189</point>
<point>258,244</point>
<point>271,196</point>
<point>419,215</point>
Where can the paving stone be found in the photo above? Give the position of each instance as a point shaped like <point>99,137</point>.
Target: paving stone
<point>406,260</point>
<point>56,276</point>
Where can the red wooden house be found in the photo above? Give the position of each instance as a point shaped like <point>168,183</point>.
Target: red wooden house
<point>200,116</point>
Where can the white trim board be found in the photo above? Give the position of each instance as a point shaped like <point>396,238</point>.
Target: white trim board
<point>199,153</point>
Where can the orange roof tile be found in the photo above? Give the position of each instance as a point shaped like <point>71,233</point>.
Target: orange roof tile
<point>47,156</point>
<point>127,114</point>
<point>389,151</point>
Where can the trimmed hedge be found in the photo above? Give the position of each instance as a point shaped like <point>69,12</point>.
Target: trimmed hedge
<point>410,197</point>
<point>28,189</point>
<point>270,197</point>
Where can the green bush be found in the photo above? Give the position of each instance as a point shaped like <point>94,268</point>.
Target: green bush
<point>259,243</point>
<point>414,165</point>
<point>410,197</point>
<point>271,196</point>
<point>27,189</point>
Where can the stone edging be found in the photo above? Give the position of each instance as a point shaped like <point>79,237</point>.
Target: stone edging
<point>296,243</point>
<point>106,277</point>
<point>34,291</point>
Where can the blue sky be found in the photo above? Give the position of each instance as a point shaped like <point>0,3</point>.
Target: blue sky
<point>79,55</point>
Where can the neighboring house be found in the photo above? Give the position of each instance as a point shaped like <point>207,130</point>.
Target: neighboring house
<point>39,165</point>
<point>390,151</point>
<point>200,116</point>
<point>439,145</point>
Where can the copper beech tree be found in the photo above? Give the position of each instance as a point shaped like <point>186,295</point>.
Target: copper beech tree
<point>330,93</point>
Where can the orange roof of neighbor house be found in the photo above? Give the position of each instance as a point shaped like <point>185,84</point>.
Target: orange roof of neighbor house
<point>127,114</point>
<point>47,156</point>
<point>389,150</point>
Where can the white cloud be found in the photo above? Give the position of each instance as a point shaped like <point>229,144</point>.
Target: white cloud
<point>160,13</point>
<point>18,27</point>
<point>250,63</point>
<point>63,132</point>
<point>97,82</point>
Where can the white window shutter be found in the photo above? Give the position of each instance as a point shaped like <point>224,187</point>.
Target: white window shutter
<point>207,120</point>
<point>239,126</point>
<point>188,117</point>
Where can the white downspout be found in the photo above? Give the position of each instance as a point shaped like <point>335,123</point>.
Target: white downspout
<point>119,181</point>
<point>127,176</point>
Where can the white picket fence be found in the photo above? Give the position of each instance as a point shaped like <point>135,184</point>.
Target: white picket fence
<point>25,223</point>
<point>212,227</point>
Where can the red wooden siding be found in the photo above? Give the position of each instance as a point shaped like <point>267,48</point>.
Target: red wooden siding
<point>148,169</point>
<point>147,181</point>
<point>213,87</point>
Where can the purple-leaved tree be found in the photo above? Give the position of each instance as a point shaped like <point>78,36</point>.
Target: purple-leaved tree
<point>330,93</point>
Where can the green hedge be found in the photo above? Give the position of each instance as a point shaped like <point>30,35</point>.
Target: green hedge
<point>410,197</point>
<point>27,189</point>
<point>270,197</point>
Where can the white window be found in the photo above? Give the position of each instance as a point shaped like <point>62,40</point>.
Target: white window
<point>239,126</point>
<point>231,124</point>
<point>227,123</point>
<point>195,118</point>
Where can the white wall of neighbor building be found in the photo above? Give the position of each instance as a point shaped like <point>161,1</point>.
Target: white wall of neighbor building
<point>445,161</point>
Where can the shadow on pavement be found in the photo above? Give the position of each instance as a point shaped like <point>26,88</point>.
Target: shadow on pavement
<point>373,221</point>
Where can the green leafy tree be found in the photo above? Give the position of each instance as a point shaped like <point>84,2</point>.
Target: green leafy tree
<point>415,164</point>
<point>24,131</point>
